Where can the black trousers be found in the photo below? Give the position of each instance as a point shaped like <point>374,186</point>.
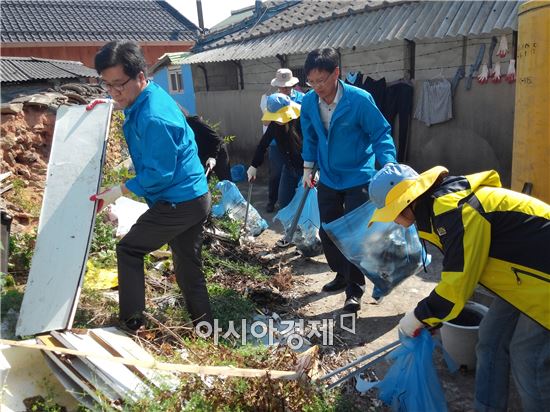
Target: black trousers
<point>181,226</point>
<point>332,205</point>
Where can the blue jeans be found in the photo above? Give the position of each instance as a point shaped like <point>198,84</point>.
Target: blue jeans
<point>287,185</point>
<point>510,340</point>
<point>276,161</point>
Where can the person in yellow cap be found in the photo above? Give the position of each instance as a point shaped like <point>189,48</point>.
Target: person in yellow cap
<point>488,235</point>
<point>283,116</point>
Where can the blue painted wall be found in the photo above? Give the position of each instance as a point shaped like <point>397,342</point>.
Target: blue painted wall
<point>187,97</point>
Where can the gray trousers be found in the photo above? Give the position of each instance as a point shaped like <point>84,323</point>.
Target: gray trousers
<point>181,226</point>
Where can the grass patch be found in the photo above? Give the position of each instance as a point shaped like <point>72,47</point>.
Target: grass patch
<point>228,305</point>
<point>212,263</point>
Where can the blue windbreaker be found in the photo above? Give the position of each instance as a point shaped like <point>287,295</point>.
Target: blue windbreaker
<point>358,135</point>
<point>163,149</point>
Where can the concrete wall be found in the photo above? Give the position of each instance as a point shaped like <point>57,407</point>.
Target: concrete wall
<point>478,137</point>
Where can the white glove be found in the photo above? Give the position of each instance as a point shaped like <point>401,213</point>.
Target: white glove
<point>511,74</point>
<point>409,325</point>
<point>107,197</point>
<point>496,75</point>
<point>484,75</point>
<point>308,179</point>
<point>210,163</point>
<point>502,47</point>
<point>251,173</point>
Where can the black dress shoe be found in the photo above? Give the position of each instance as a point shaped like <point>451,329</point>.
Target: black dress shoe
<point>352,305</point>
<point>338,283</point>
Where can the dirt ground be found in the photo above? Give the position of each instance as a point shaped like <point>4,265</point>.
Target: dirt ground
<point>376,324</point>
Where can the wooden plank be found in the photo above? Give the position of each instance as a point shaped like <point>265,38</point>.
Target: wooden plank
<point>176,367</point>
<point>66,219</point>
<point>117,376</point>
<point>117,343</point>
<point>81,374</point>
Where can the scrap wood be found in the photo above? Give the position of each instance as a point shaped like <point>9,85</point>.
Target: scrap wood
<point>189,368</point>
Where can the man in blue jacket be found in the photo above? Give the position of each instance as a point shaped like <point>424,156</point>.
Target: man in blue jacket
<point>170,177</point>
<point>345,134</point>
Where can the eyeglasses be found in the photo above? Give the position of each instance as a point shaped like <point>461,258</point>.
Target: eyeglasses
<point>118,88</point>
<point>319,83</point>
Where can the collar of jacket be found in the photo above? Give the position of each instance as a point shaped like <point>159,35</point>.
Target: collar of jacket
<point>341,108</point>
<point>140,99</point>
<point>423,212</point>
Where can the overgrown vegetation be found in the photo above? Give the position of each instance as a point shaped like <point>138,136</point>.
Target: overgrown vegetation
<point>235,279</point>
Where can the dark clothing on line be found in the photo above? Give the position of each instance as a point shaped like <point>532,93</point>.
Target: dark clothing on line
<point>181,226</point>
<point>333,204</point>
<point>377,89</point>
<point>210,145</point>
<point>399,102</point>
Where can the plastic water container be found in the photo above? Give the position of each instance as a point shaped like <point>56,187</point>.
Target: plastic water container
<point>238,173</point>
<point>459,336</point>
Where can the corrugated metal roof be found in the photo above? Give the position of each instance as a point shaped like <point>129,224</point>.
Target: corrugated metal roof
<point>22,69</point>
<point>411,21</point>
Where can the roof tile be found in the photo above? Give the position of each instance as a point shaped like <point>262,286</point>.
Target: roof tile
<point>93,20</point>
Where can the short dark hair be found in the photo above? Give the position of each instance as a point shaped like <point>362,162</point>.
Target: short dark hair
<point>322,59</point>
<point>126,53</point>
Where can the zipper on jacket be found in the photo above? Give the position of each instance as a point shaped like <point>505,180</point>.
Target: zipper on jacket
<point>523,272</point>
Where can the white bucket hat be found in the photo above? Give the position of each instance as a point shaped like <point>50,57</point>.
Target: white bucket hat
<point>284,78</point>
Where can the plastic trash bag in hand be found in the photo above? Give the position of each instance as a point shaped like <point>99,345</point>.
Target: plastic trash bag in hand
<point>306,237</point>
<point>411,383</point>
<point>233,203</point>
<point>386,253</point>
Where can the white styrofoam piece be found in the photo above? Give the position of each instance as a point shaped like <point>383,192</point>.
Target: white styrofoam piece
<point>116,375</point>
<point>66,219</point>
<point>129,349</point>
<point>23,374</point>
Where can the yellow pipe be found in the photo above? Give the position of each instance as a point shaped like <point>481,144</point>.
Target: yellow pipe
<point>531,149</point>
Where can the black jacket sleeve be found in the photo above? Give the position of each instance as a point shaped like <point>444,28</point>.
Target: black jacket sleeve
<point>208,141</point>
<point>264,143</point>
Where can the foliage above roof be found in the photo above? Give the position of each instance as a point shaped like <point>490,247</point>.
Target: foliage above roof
<point>34,21</point>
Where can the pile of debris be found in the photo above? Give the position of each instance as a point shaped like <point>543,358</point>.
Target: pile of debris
<point>27,131</point>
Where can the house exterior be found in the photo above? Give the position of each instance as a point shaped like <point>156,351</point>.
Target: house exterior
<point>29,75</point>
<point>174,76</point>
<point>391,40</point>
<point>76,29</point>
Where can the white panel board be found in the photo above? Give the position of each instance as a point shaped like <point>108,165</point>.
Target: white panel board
<point>66,219</point>
<point>116,375</point>
<point>24,374</point>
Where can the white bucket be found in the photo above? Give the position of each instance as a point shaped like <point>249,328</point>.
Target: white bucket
<point>459,336</point>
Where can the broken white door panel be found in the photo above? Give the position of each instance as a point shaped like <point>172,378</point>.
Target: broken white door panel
<point>119,344</point>
<point>116,375</point>
<point>71,386</point>
<point>24,374</point>
<point>66,219</point>
<point>79,372</point>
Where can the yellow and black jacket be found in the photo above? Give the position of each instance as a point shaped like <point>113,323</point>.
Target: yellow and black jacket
<point>488,235</point>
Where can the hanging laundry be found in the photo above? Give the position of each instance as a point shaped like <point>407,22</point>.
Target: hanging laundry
<point>491,50</point>
<point>511,74</point>
<point>398,103</point>
<point>502,47</point>
<point>377,88</point>
<point>475,66</point>
<point>435,104</point>
<point>354,78</point>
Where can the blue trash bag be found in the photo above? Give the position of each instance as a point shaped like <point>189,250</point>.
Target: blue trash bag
<point>238,173</point>
<point>411,384</point>
<point>386,253</point>
<point>306,237</point>
<point>233,203</point>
